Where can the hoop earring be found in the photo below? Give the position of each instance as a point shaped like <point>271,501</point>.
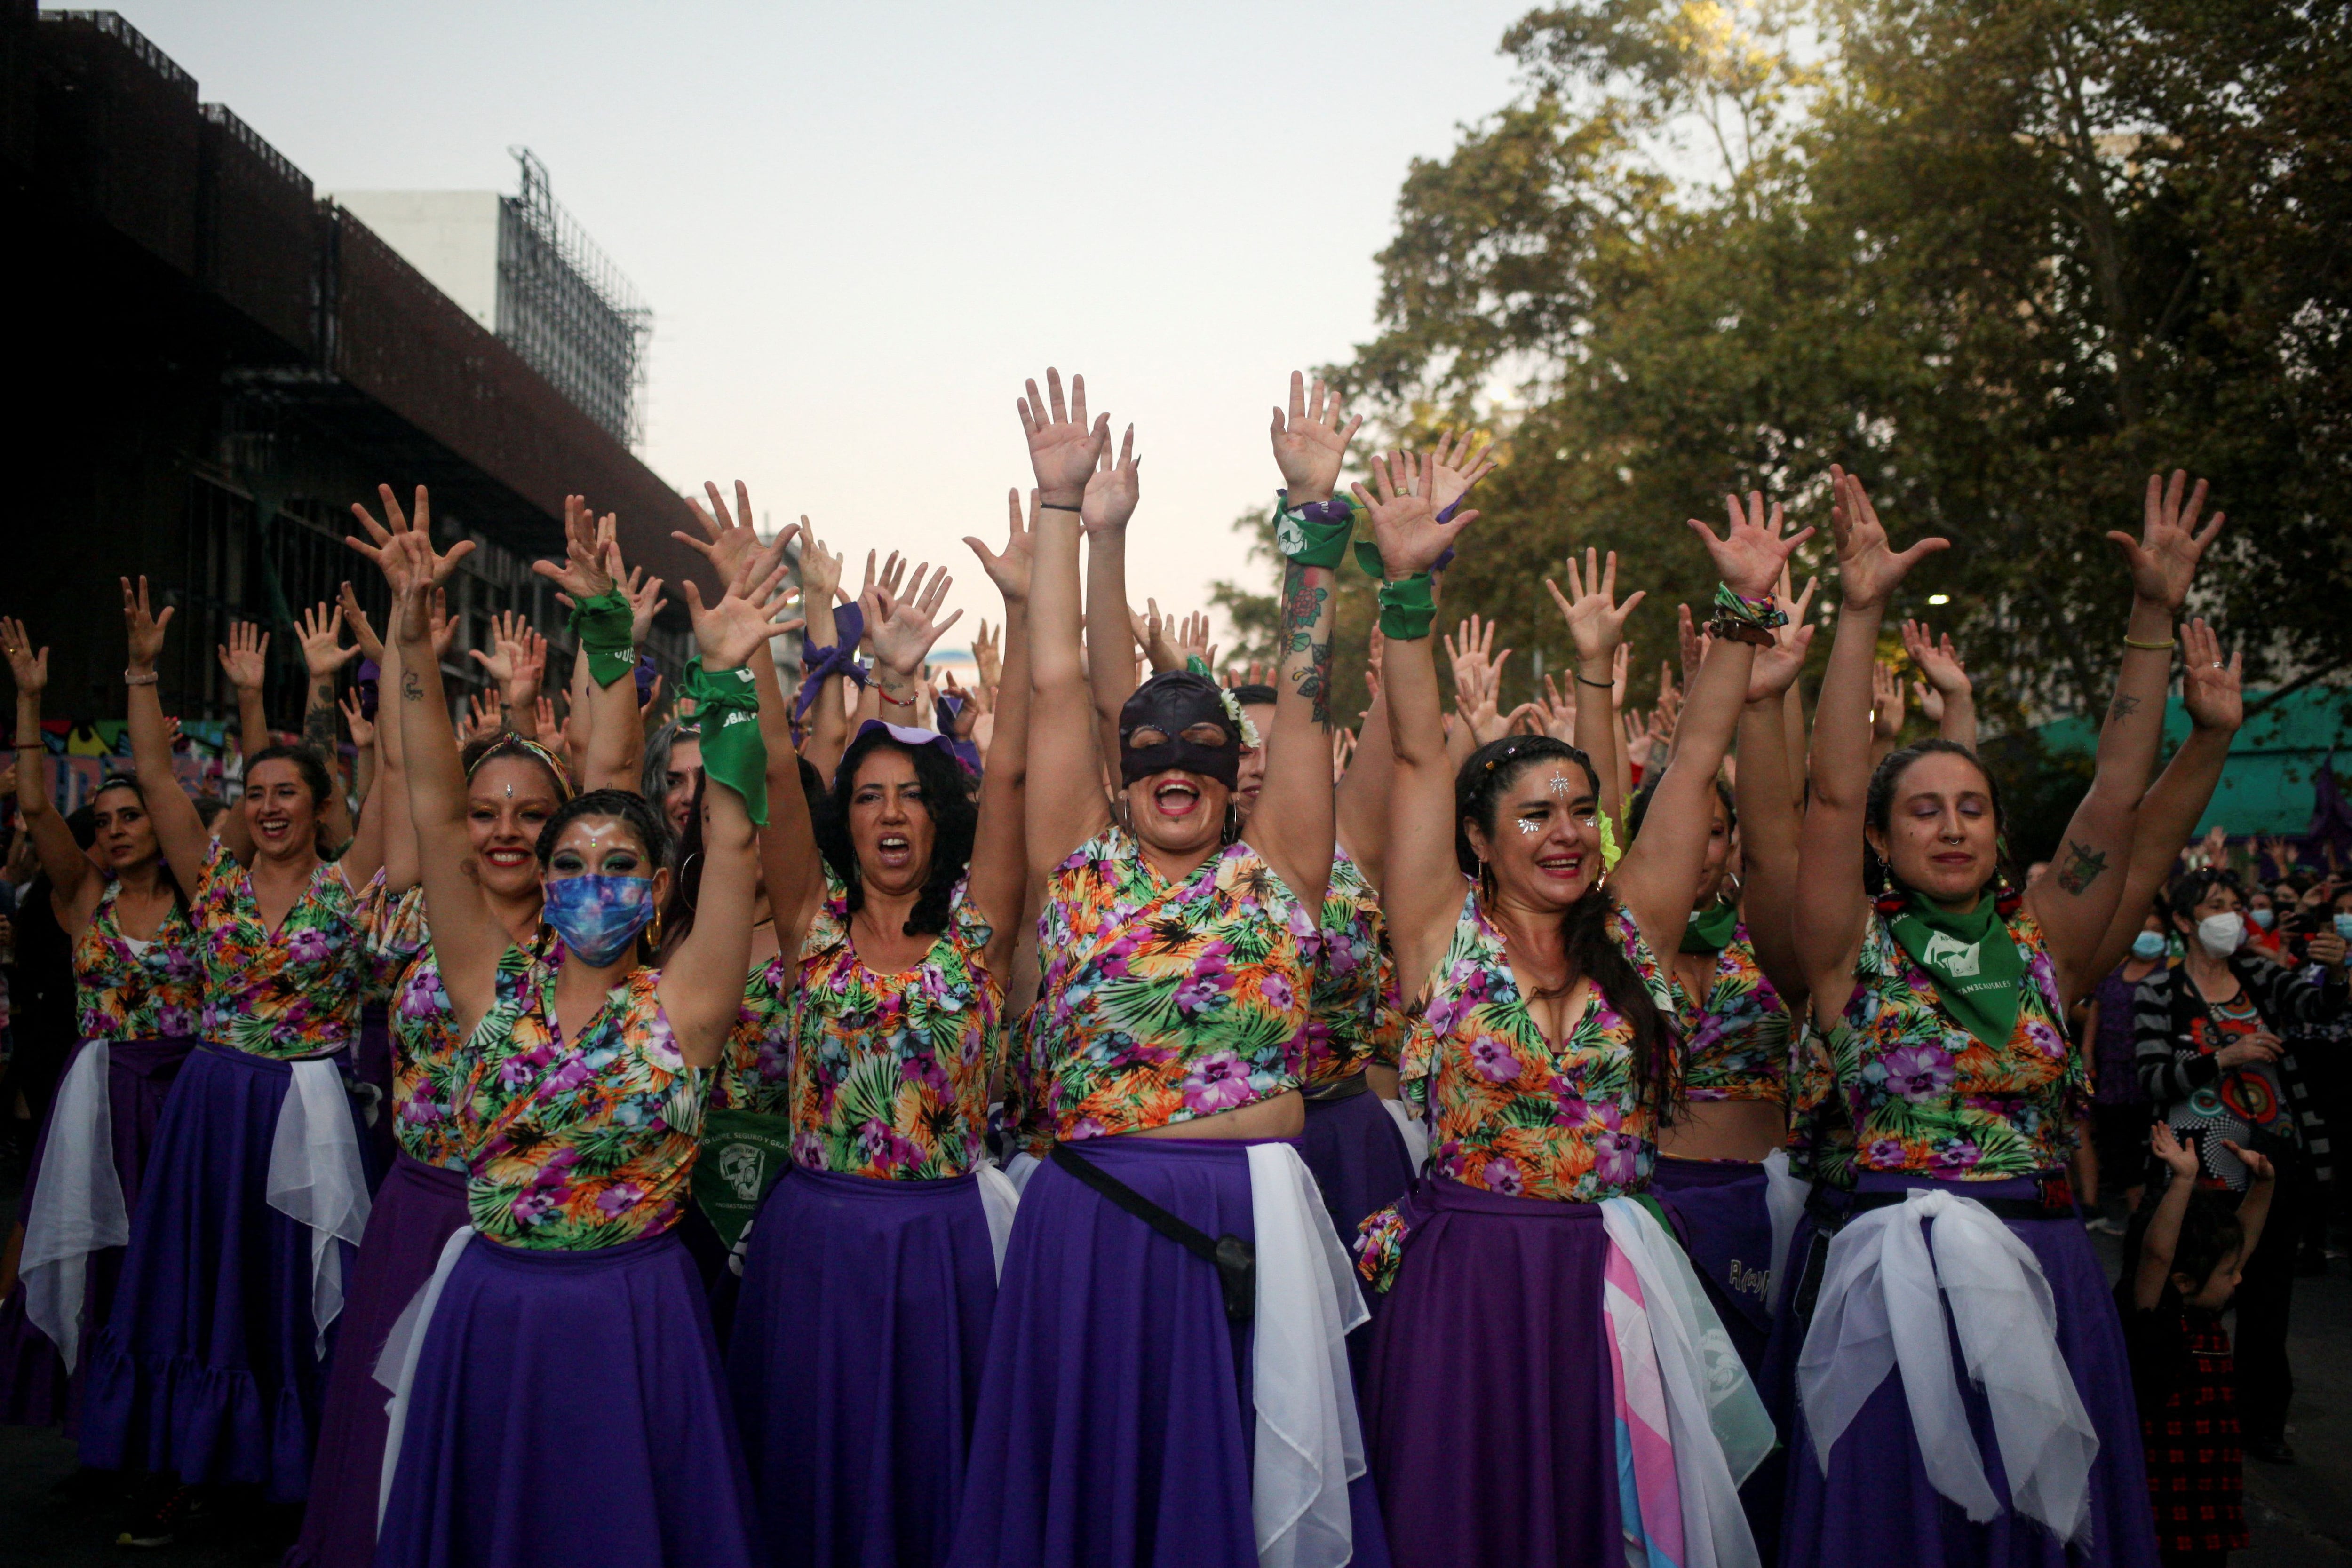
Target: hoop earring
<point>1232,827</point>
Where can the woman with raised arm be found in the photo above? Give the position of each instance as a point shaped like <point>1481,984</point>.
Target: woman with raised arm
<point>210,1366</point>
<point>580,1087</point>
<point>1939,1088</point>
<point>1170,1268</point>
<point>139,995</point>
<point>1526,1296</point>
<point>511,787</point>
<point>869,1277</point>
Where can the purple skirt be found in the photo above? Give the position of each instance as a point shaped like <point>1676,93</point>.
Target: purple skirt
<point>1116,1421</point>
<point>1357,1152</point>
<point>206,1367</point>
<point>568,1408</point>
<point>419,1208</point>
<point>1719,1205</point>
<point>860,1333</point>
<point>1489,1406</point>
<point>34,1390</point>
<point>1875,1506</point>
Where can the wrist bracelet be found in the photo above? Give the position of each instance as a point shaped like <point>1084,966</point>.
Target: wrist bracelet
<point>133,679</point>
<point>1605,685</point>
<point>2163,647</point>
<point>1315,533</point>
<point>1059,506</point>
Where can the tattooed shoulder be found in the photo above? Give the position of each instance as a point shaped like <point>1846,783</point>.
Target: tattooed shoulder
<point>2080,867</point>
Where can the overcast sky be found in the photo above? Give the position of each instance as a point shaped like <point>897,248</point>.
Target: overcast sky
<point>860,227</point>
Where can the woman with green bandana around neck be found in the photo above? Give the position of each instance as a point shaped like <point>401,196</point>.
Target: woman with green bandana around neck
<point>1939,1089</point>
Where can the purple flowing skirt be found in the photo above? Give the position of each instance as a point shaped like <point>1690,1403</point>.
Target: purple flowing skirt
<point>1357,1152</point>
<point>1489,1406</point>
<point>1875,1506</point>
<point>34,1390</point>
<point>860,1333</point>
<point>1116,1422</point>
<point>206,1367</point>
<point>1719,1205</point>
<point>568,1408</point>
<point>417,1208</point>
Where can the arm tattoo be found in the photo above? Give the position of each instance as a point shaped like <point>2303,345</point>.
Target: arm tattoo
<point>1302,608</point>
<point>2123,708</point>
<point>1315,683</point>
<point>2081,867</point>
<point>318,718</point>
<point>412,690</point>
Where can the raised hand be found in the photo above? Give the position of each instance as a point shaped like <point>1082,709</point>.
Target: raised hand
<point>439,623</point>
<point>28,669</point>
<point>1886,701</point>
<point>590,552</point>
<point>741,623</point>
<point>1940,662</point>
<point>1461,462</point>
<point>356,720</point>
<point>363,628</point>
<point>820,572</point>
<point>2259,1168</point>
<point>1063,446</point>
<point>1008,567</point>
<point>244,657</point>
<point>1405,520</point>
<point>1595,619</point>
<point>1930,701</point>
<point>144,629</point>
<point>395,524</point>
<point>988,662</point>
<point>901,624</point>
<point>485,717</point>
<point>320,631</point>
<point>727,538</point>
<point>1112,489</point>
<point>2163,559</point>
<point>1555,710</point>
<point>1620,670</point>
<point>1310,444</point>
<point>645,597</point>
<point>1868,567</point>
<point>1753,550</point>
<point>1776,668</point>
<point>2179,1158</point>
<point>2210,690</point>
<point>1694,642</point>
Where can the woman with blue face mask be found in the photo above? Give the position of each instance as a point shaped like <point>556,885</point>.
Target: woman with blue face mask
<point>567,1314</point>
<point>2119,1103</point>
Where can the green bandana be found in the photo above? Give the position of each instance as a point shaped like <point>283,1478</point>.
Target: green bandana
<point>603,625</point>
<point>742,1154</point>
<point>1304,539</point>
<point>727,709</point>
<point>1407,607</point>
<point>1976,967</point>
<point>1710,929</point>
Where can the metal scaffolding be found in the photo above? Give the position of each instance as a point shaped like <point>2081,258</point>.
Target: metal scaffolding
<point>565,307</point>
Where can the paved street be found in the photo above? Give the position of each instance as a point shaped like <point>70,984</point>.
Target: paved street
<point>2302,1513</point>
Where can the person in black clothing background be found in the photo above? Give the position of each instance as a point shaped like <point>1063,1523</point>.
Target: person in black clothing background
<point>2213,1058</point>
<point>40,1009</point>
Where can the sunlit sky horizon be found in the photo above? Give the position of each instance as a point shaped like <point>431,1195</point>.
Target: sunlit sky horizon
<point>860,227</point>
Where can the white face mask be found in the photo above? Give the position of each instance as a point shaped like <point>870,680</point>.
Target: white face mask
<point>2221,933</point>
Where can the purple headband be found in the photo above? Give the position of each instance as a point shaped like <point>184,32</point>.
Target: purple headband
<point>905,735</point>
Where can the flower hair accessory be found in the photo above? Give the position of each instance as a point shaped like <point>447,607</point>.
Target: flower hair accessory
<point>1612,851</point>
<point>1242,724</point>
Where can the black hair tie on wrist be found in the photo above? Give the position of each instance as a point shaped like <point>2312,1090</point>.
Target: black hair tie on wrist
<point>1058,506</point>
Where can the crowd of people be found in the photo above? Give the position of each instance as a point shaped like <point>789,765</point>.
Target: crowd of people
<point>1116,1112</point>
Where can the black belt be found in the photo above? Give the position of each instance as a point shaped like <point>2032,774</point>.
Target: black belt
<point>1234,1258</point>
<point>1346,1088</point>
<point>2055,1201</point>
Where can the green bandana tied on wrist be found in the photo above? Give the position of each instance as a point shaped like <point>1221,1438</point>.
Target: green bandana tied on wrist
<point>605,625</point>
<point>727,707</point>
<point>1971,959</point>
<point>1746,620</point>
<point>1313,535</point>
<point>1710,929</point>
<point>1407,607</point>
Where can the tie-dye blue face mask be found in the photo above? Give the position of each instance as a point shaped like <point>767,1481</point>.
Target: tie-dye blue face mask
<point>599,917</point>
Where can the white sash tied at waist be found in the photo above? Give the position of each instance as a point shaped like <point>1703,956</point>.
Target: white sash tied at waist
<point>1416,1136</point>
<point>1879,1309</point>
<point>1309,1445</point>
<point>316,1179</point>
<point>1785,1193</point>
<point>78,1206</point>
<point>396,1364</point>
<point>998,1199</point>
<point>1715,1422</point>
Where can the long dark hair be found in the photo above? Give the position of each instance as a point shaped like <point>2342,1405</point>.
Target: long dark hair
<point>1592,953</point>
<point>1878,808</point>
<point>955,820</point>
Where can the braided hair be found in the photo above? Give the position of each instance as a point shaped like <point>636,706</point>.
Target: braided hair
<point>1592,953</point>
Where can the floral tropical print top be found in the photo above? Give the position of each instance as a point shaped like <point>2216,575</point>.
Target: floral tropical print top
<point>580,1144</point>
<point>1737,1036</point>
<point>752,1075</point>
<point>890,1072</point>
<point>1354,1015</point>
<point>293,992</point>
<point>1512,1112</point>
<point>124,993</point>
<point>1897,1084</point>
<point>1165,1001</point>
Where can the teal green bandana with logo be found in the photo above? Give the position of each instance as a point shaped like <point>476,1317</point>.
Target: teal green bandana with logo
<point>743,1152</point>
<point>1972,960</point>
<point>1711,929</point>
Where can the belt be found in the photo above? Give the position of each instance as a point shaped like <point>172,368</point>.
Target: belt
<point>1346,1088</point>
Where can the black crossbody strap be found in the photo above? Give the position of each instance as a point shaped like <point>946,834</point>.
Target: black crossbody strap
<point>1234,1259</point>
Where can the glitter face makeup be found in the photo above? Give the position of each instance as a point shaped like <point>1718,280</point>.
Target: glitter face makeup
<point>1528,825</point>
<point>1563,785</point>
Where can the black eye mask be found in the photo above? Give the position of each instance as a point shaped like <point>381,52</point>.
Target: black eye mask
<point>1171,704</point>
